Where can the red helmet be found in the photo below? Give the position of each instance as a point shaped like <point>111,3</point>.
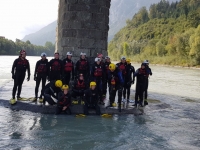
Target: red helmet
<point>22,52</point>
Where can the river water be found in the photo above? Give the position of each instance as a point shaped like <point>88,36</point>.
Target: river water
<point>173,127</point>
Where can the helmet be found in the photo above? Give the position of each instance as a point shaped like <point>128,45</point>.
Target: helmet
<point>93,83</point>
<point>123,58</point>
<point>69,54</point>
<point>65,87</point>
<point>82,54</point>
<point>112,67</point>
<point>99,55</point>
<point>107,57</point>
<point>43,55</point>
<point>22,52</point>
<point>97,59</point>
<point>146,62</point>
<point>58,83</point>
<point>128,61</point>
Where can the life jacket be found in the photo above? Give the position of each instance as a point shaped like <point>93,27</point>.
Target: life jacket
<point>98,72</point>
<point>68,66</point>
<point>22,65</point>
<point>83,65</point>
<point>42,68</point>
<point>122,67</point>
<point>142,72</point>
<point>56,66</point>
<point>64,99</point>
<point>80,85</point>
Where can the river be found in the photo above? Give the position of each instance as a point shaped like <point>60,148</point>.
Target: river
<point>175,127</point>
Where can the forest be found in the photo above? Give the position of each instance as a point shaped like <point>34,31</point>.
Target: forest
<point>167,33</point>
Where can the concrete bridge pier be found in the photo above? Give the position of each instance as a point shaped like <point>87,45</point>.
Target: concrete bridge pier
<point>83,27</point>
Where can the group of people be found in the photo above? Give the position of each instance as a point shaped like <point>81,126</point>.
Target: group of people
<point>90,80</point>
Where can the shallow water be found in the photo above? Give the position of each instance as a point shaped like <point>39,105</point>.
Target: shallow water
<point>174,127</point>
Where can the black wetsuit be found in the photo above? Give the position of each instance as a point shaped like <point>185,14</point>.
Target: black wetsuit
<point>18,74</point>
<point>147,81</point>
<point>68,70</point>
<point>51,90</point>
<point>63,100</point>
<point>78,88</point>
<point>83,67</point>
<point>91,101</point>
<point>55,69</point>
<point>129,79</point>
<point>41,73</point>
<point>105,83</point>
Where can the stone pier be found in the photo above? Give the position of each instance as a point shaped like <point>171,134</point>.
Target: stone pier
<point>83,27</point>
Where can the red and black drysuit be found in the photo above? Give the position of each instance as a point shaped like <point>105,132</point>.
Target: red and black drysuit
<point>18,74</point>
<point>41,73</point>
<point>78,88</point>
<point>98,75</point>
<point>115,83</point>
<point>83,67</point>
<point>63,100</point>
<point>51,90</point>
<point>141,75</point>
<point>129,79</point>
<point>55,69</point>
<point>68,70</point>
<point>91,101</point>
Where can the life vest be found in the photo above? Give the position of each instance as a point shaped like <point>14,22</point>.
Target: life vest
<point>80,85</point>
<point>68,66</point>
<point>56,66</point>
<point>64,98</point>
<point>22,65</point>
<point>42,68</point>
<point>98,71</point>
<point>122,67</point>
<point>83,65</point>
<point>142,72</point>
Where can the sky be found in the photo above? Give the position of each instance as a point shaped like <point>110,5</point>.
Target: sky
<point>21,17</point>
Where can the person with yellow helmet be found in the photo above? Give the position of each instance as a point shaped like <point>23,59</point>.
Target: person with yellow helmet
<point>115,82</point>
<point>129,80</point>
<point>51,91</point>
<point>64,101</point>
<point>91,99</point>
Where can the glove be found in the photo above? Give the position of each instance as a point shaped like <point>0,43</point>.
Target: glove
<point>13,76</point>
<point>28,78</point>
<point>34,78</point>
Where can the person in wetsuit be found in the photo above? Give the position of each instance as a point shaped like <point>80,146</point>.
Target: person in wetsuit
<point>55,68</point>
<point>64,101</point>
<point>68,68</point>
<point>91,99</point>
<point>40,74</point>
<point>19,68</point>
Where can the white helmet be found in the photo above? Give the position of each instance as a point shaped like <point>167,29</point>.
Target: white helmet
<point>146,62</point>
<point>43,55</point>
<point>69,54</point>
<point>123,58</point>
<point>107,57</point>
<point>97,59</point>
<point>82,54</point>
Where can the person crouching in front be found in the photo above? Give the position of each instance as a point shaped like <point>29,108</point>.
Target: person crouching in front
<point>91,99</point>
<point>64,101</point>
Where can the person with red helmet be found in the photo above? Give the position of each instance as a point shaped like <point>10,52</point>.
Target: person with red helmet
<point>68,68</point>
<point>19,68</point>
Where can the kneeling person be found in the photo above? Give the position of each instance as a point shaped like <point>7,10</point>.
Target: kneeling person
<point>64,101</point>
<point>52,88</point>
<point>91,99</point>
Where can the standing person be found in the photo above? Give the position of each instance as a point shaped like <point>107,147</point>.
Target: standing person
<point>55,68</point>
<point>79,87</point>
<point>19,68</point>
<point>129,80</point>
<point>64,101</point>
<point>68,68</point>
<point>97,75</point>
<point>115,82</point>
<point>141,75</point>
<point>146,62</point>
<point>122,67</point>
<point>51,91</point>
<point>91,99</point>
<point>105,83</point>
<point>41,73</point>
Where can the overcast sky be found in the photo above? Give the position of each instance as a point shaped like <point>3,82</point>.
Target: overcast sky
<point>21,17</point>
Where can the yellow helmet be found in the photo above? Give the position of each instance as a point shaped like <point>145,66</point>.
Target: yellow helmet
<point>93,84</point>
<point>128,61</point>
<point>65,87</point>
<point>58,83</point>
<point>112,67</point>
